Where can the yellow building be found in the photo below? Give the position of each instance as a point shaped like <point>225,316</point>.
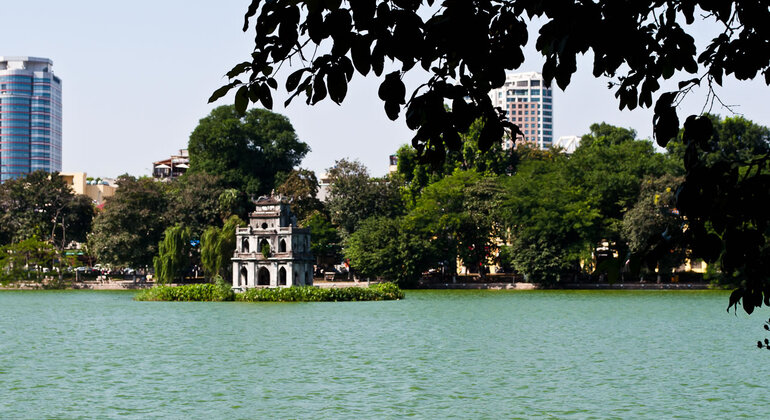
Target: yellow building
<point>97,191</point>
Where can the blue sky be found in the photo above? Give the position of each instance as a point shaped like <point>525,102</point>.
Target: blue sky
<point>136,80</point>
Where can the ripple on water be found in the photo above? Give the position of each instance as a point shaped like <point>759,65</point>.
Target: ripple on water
<point>436,354</point>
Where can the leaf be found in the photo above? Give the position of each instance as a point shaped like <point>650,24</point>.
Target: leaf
<point>242,100</point>
<point>361,55</point>
<point>267,97</point>
<point>319,90</point>
<point>735,298</point>
<point>222,91</point>
<point>338,86</point>
<point>272,83</point>
<point>293,80</point>
<point>249,13</point>
<point>238,69</point>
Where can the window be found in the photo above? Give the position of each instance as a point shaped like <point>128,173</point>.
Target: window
<point>534,83</point>
<point>521,83</point>
<point>534,91</point>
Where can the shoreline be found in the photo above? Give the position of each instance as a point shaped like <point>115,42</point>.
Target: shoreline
<point>131,285</point>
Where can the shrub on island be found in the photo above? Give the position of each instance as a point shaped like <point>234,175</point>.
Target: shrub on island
<point>187,293</point>
<point>218,293</point>
<point>382,291</point>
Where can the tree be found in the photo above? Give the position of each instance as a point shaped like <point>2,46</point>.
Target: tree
<point>468,46</point>
<point>551,220</point>
<point>461,212</point>
<point>609,165</point>
<point>246,149</point>
<point>129,228</point>
<point>652,218</point>
<point>354,196</point>
<point>418,174</point>
<point>301,189</point>
<point>42,205</point>
<point>25,260</point>
<point>217,247</point>
<point>391,248</point>
<point>173,257</point>
<point>326,243</point>
<point>194,202</point>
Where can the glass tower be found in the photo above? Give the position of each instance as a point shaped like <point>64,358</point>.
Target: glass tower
<point>30,117</point>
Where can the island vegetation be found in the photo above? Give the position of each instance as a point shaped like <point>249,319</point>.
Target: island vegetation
<point>222,292</point>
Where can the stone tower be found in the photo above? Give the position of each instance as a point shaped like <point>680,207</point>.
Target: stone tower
<point>272,251</point>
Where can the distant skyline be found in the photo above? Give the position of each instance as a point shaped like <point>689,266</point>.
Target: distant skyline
<point>136,81</point>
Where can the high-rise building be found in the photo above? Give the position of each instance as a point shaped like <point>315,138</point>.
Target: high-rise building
<point>528,104</point>
<point>30,117</point>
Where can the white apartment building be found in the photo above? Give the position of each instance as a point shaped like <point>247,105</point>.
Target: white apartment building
<point>529,105</point>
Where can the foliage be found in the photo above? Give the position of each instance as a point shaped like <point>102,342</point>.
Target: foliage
<point>550,218</point>
<point>127,231</point>
<point>247,150</point>
<point>217,247</point>
<point>653,227</point>
<point>468,46</point>
<point>25,260</point>
<point>461,213</point>
<point>194,202</point>
<point>392,249</point>
<point>383,291</point>
<point>301,189</point>
<point>221,292</point>
<point>173,254</point>
<point>609,166</point>
<point>354,196</point>
<point>418,174</point>
<point>326,241</point>
<point>722,197</point>
<point>265,250</point>
<point>42,205</point>
<point>186,293</point>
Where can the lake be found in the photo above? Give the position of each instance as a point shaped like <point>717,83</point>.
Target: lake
<point>437,354</point>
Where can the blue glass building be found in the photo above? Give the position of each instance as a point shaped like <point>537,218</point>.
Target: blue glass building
<point>30,117</point>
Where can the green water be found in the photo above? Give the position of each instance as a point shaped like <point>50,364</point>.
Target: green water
<point>436,354</point>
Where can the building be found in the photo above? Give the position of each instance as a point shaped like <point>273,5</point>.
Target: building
<point>173,167</point>
<point>30,117</point>
<point>96,189</point>
<point>529,105</point>
<point>272,251</point>
<point>568,143</point>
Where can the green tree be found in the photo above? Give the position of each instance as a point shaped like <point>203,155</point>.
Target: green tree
<point>217,247</point>
<point>609,166</point>
<point>42,205</point>
<point>461,212</point>
<point>354,197</point>
<point>127,231</point>
<point>194,202</point>
<point>24,261</point>
<point>551,220</point>
<point>653,227</point>
<point>246,149</point>
<point>173,257</point>
<point>417,173</point>
<point>301,190</point>
<point>326,242</point>
<point>391,248</point>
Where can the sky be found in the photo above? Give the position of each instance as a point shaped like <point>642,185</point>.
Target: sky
<point>137,76</point>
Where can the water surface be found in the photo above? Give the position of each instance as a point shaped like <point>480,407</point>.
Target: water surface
<point>436,354</point>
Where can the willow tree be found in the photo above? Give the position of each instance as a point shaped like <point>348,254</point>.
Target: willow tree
<point>173,254</point>
<point>217,247</point>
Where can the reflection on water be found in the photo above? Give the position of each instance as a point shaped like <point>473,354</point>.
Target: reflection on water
<point>436,354</point>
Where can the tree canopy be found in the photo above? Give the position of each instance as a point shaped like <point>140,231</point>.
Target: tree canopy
<point>246,149</point>
<point>467,47</point>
